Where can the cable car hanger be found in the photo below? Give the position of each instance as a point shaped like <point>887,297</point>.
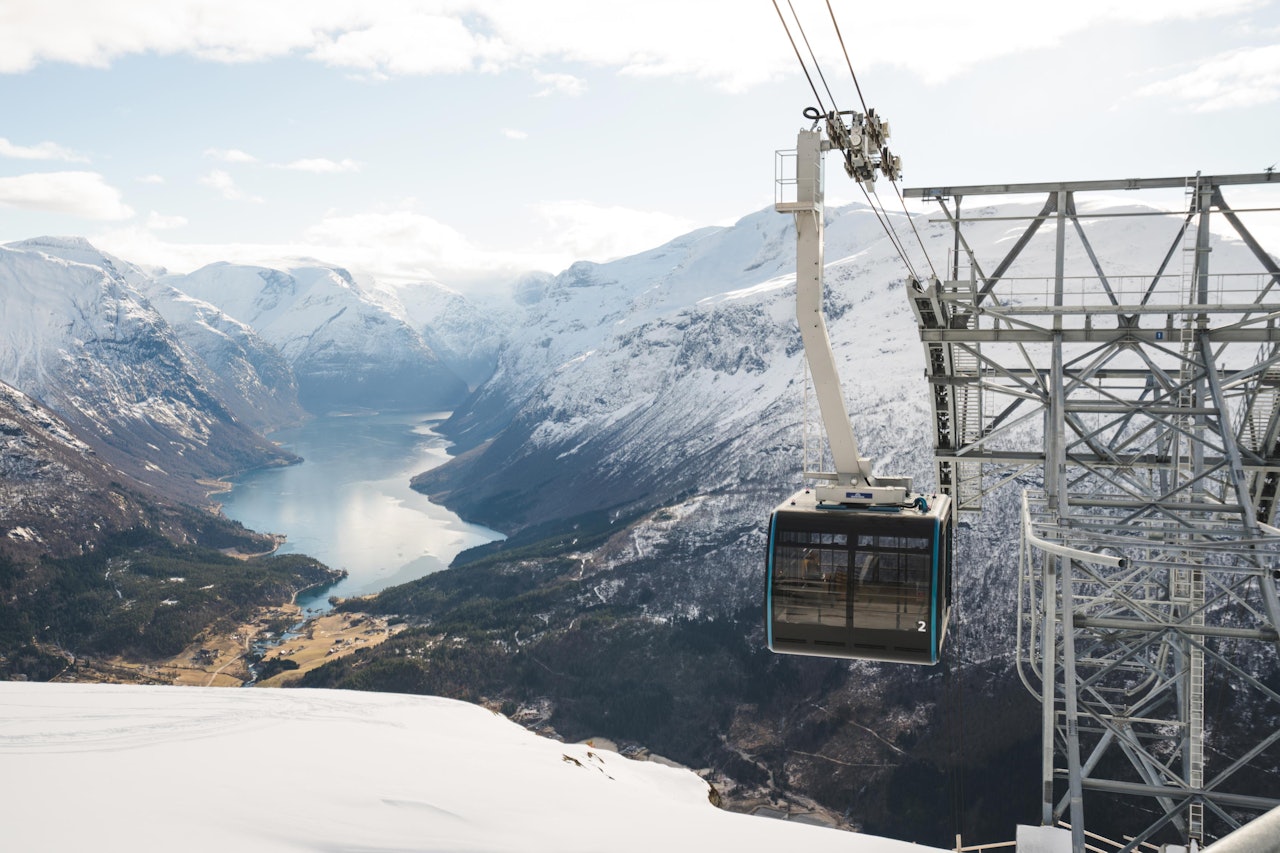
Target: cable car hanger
<point>858,566</point>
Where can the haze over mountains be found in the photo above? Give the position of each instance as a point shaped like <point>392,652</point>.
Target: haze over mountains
<point>628,424</point>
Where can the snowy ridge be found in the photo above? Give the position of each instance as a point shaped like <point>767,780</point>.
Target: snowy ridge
<point>246,372</point>
<point>467,334</point>
<point>153,768</point>
<point>346,350</point>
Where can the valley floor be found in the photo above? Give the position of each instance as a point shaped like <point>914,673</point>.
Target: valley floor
<point>221,658</point>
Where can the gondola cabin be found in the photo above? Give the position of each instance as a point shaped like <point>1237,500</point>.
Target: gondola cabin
<point>859,582</point>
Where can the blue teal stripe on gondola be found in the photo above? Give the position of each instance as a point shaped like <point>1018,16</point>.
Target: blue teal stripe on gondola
<point>768,584</point>
<point>934,613</point>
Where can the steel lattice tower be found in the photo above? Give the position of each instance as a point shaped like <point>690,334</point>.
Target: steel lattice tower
<point>1142,396</point>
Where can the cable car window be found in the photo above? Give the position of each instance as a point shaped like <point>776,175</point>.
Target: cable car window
<point>811,579</point>
<point>891,582</point>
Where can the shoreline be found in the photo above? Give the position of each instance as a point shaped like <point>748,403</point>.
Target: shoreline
<point>279,539</point>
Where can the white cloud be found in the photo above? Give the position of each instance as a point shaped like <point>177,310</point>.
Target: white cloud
<point>1247,77</point>
<point>560,84</point>
<point>306,164</point>
<point>402,245</point>
<point>42,151</point>
<point>321,165</point>
<point>150,179</point>
<point>230,155</point>
<point>224,184</point>
<point>671,38</point>
<point>512,133</point>
<point>161,222</point>
<point>394,246</point>
<point>83,194</point>
<point>991,29</point>
<point>583,230</point>
<point>412,38</point>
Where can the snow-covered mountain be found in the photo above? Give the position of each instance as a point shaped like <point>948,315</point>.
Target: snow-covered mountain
<point>466,332</point>
<point>246,372</point>
<point>77,335</point>
<point>109,768</point>
<point>170,377</point>
<point>346,350</point>
<point>249,374</point>
<point>679,371</point>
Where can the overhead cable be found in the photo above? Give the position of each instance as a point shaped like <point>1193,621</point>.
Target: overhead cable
<point>835,23</point>
<point>912,220</point>
<point>816,66</point>
<point>846,56</point>
<point>799,58</point>
<point>877,206</point>
<point>883,216</point>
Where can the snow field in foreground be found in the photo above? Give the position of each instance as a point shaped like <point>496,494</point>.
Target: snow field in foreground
<point>107,767</point>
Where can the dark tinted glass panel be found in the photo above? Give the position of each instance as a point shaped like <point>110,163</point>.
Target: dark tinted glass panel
<point>891,583</point>
<point>810,581</point>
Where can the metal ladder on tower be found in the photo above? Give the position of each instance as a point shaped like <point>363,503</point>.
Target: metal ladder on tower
<point>969,426</point>
<point>1187,594</point>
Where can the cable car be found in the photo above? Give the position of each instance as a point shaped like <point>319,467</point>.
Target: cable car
<point>860,565</point>
<point>865,582</point>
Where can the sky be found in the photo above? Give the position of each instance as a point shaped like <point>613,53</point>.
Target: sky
<point>466,141</point>
<point>111,767</point>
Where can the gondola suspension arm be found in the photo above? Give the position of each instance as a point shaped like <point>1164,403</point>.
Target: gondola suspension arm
<point>854,482</point>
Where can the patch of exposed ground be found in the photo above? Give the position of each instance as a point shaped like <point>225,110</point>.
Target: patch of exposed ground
<point>325,638</point>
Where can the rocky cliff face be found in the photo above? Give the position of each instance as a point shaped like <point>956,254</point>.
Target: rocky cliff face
<point>57,496</point>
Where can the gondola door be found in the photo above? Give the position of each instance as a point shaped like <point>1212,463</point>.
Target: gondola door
<point>810,604</point>
<point>891,590</point>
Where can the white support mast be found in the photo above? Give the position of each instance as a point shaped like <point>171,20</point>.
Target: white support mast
<point>853,481</point>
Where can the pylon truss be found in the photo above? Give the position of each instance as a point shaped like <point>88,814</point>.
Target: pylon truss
<point>1142,395</point>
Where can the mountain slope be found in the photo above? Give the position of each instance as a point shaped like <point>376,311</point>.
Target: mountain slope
<point>245,372</point>
<point>677,371</point>
<point>90,566</point>
<point>56,495</point>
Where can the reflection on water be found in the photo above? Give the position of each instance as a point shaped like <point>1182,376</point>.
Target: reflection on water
<point>349,505</point>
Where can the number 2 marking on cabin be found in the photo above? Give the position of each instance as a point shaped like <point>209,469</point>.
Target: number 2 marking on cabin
<point>920,625</point>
